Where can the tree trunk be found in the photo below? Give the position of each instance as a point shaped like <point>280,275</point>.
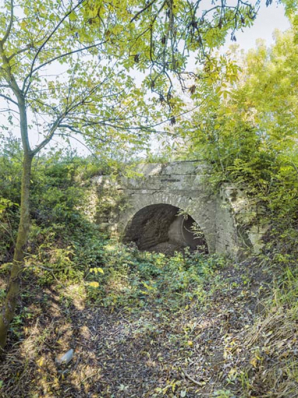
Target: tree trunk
<point>13,289</point>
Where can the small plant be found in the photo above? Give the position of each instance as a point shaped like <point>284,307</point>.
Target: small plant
<point>223,394</point>
<point>127,277</point>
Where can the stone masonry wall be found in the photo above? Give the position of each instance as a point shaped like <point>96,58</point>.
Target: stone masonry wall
<point>226,219</point>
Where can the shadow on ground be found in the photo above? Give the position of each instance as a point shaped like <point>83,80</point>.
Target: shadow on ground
<point>152,351</point>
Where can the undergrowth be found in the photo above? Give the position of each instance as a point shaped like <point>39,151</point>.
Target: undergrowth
<point>211,326</point>
<point>131,278</point>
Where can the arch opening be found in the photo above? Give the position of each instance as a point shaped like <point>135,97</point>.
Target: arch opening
<point>163,229</point>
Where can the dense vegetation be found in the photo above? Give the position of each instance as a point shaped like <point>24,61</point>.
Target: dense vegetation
<point>197,323</point>
<point>246,130</point>
<point>92,47</point>
<point>145,324</point>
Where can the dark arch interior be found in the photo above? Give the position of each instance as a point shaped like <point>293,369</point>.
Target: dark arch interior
<point>161,228</point>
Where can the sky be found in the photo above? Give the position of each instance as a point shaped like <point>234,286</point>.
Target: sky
<point>268,19</point>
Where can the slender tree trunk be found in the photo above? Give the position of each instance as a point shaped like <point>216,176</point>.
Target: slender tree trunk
<point>13,289</point>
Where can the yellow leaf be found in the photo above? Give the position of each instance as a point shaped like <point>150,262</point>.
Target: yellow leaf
<point>253,362</point>
<point>93,284</point>
<point>72,16</point>
<point>96,270</point>
<point>40,362</point>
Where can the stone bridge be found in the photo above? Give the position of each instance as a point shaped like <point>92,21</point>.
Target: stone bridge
<point>174,203</point>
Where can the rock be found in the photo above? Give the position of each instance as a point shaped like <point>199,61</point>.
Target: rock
<point>65,358</point>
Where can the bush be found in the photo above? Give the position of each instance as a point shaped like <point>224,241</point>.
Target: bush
<point>126,277</point>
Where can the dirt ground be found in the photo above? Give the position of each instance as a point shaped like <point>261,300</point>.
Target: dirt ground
<point>153,351</point>
<point>166,248</point>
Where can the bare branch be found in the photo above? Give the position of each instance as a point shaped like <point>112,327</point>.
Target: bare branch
<point>6,110</point>
<point>79,141</point>
<point>75,130</point>
<point>67,126</point>
<point>49,137</point>
<point>9,99</point>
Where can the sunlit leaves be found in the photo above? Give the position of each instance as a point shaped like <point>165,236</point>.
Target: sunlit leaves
<point>246,126</point>
<point>72,60</point>
<point>66,60</point>
<point>97,270</point>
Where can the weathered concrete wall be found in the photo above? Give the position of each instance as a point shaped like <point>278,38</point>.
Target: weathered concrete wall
<point>132,206</point>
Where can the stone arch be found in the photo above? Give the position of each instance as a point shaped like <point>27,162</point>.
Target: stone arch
<point>161,223</point>
<point>197,210</point>
<point>227,218</point>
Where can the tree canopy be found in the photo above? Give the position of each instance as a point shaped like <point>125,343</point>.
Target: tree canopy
<point>255,113</point>
<point>91,44</point>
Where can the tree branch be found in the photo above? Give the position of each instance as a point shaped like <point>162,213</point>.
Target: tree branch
<point>49,137</point>
<point>9,99</point>
<point>5,110</point>
<point>144,9</point>
<point>76,139</point>
<point>67,126</point>
<point>55,59</point>
<point>7,33</point>
<point>32,70</point>
<point>22,50</point>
